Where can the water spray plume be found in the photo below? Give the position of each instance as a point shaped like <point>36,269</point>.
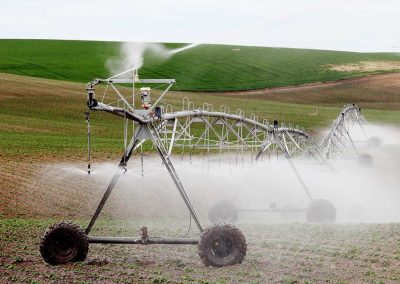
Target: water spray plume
<point>360,193</point>
<point>177,50</point>
<point>132,55</point>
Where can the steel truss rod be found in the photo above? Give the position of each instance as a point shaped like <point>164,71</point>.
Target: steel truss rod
<point>272,210</point>
<point>338,136</point>
<point>264,147</point>
<point>300,179</point>
<point>162,95</point>
<point>121,97</point>
<point>274,140</point>
<point>233,131</point>
<point>173,137</point>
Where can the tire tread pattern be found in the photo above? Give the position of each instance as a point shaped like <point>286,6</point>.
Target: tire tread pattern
<point>76,230</point>
<point>237,237</point>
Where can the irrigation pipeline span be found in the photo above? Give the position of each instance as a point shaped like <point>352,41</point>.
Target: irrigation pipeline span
<point>218,131</point>
<point>215,131</point>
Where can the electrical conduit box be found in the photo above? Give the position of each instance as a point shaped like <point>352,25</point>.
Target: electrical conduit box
<point>145,97</point>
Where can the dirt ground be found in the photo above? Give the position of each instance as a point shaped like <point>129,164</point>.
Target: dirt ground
<point>279,253</point>
<point>366,66</point>
<point>374,91</point>
<point>43,192</point>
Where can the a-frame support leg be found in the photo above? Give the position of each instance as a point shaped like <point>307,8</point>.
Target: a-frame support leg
<point>115,178</point>
<point>144,129</point>
<point>275,140</point>
<point>296,172</point>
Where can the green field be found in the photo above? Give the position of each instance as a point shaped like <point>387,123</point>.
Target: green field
<point>203,68</point>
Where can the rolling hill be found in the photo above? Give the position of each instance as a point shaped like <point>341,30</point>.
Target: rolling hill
<point>203,68</point>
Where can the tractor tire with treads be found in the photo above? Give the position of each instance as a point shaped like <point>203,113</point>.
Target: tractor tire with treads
<point>64,242</point>
<point>222,245</point>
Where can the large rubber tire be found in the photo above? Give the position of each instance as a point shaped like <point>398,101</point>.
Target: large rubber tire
<point>321,211</point>
<point>222,245</point>
<point>64,242</point>
<point>223,212</point>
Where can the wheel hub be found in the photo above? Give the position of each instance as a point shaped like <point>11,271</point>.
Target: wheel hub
<point>222,247</point>
<point>63,246</point>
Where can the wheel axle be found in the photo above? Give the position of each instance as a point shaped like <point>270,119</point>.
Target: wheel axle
<point>137,241</point>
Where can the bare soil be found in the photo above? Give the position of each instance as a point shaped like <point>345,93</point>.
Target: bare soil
<point>42,192</point>
<point>374,91</point>
<point>366,66</point>
<point>282,253</point>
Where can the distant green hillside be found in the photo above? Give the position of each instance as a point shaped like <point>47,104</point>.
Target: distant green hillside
<point>206,67</point>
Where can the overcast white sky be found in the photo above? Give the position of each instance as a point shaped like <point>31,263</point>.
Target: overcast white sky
<point>356,25</point>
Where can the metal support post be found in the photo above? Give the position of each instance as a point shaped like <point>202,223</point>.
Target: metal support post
<point>288,158</point>
<point>87,116</point>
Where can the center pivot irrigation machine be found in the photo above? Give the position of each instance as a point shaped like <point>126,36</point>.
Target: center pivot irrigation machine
<point>219,245</point>
<point>215,132</point>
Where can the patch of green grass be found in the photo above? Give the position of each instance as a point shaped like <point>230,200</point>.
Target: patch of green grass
<point>205,67</point>
<point>390,117</point>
